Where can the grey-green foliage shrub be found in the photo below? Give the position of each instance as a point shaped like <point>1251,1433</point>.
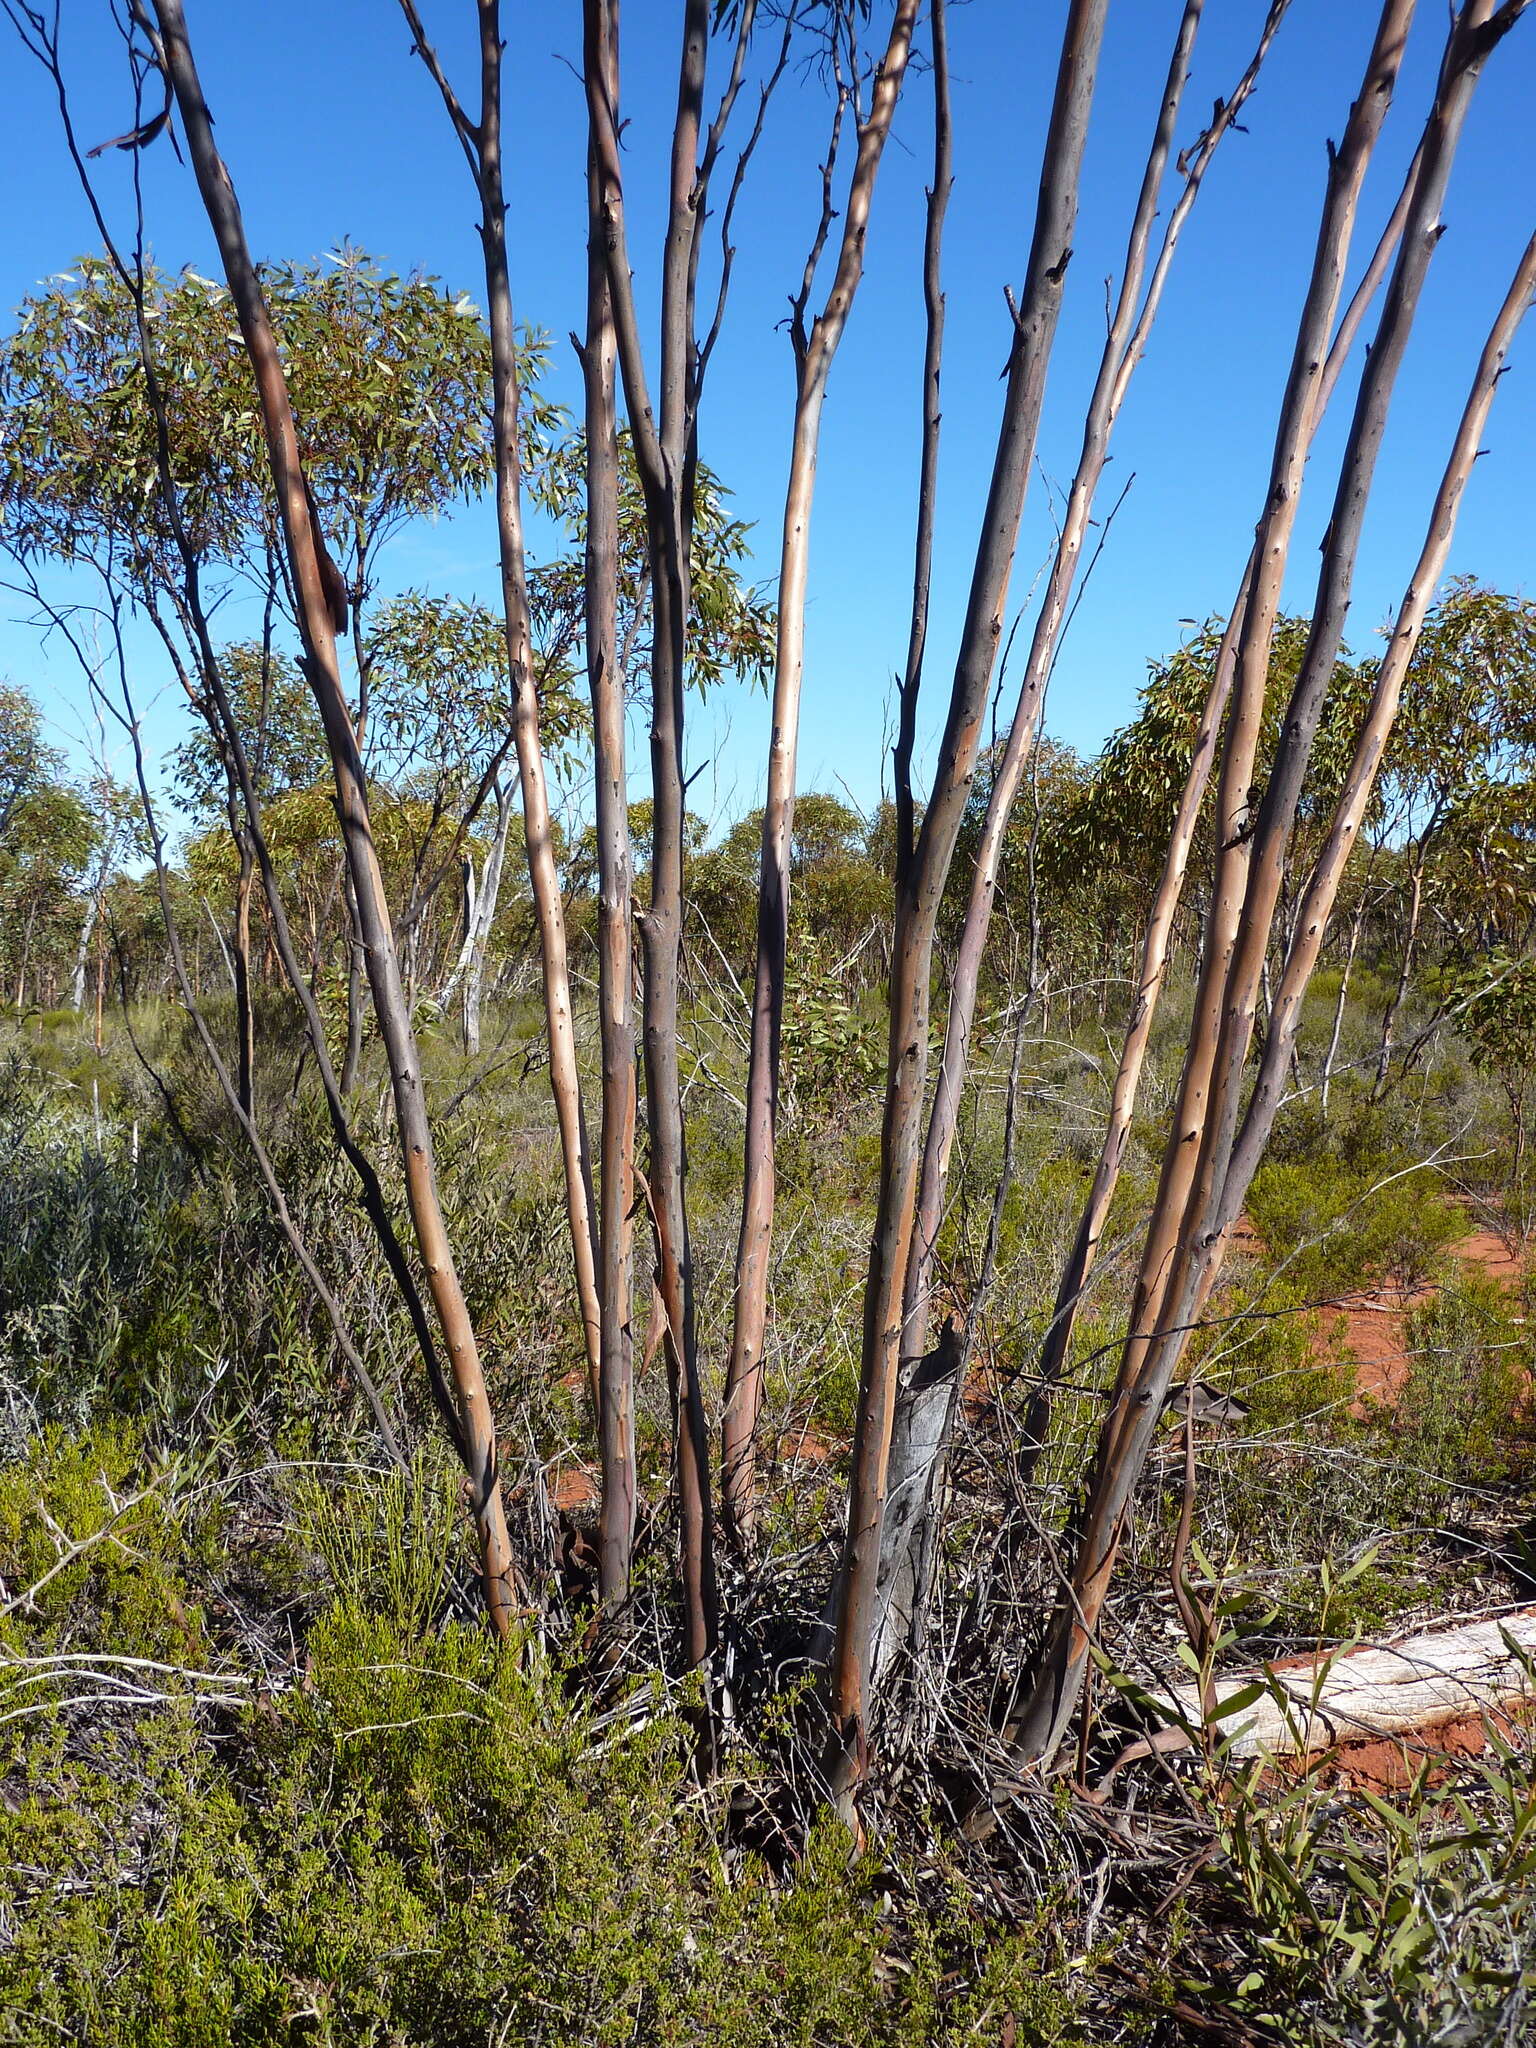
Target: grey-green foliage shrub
<point>1339,1226</point>
<point>133,1281</point>
<point>82,1227</point>
<point>1463,1410</point>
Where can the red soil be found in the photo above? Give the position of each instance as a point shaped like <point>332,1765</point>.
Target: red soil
<point>1375,1324</point>
<point>570,1488</point>
<point>1391,1762</point>
<point>1369,1330</point>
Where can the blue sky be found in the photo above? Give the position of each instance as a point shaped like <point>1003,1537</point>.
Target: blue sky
<point>331,130</point>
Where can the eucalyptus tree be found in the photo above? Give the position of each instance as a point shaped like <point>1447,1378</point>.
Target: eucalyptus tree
<point>440,729</point>
<point>390,378</point>
<point>47,838</point>
<point>1463,749</point>
<point>114,820</point>
<point>1272,751</point>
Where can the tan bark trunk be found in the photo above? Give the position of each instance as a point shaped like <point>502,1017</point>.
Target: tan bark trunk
<point>317,627</point>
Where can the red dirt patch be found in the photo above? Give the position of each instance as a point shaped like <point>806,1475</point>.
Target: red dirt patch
<point>1375,1324</point>
<point>570,1488</point>
<point>1391,1763</point>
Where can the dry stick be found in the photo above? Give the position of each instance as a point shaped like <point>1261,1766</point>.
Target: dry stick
<point>1157,941</point>
<point>615,965</point>
<point>481,143</point>
<point>1178,1269</point>
<point>918,899</point>
<point>317,629</point>
<point>1124,347</point>
<point>664,459</point>
<point>814,353</point>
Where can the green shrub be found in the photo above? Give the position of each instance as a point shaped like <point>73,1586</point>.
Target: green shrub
<point>1462,1412</point>
<point>429,1843</point>
<point>94,1541</point>
<point>1375,1922</point>
<point>1336,1227</point>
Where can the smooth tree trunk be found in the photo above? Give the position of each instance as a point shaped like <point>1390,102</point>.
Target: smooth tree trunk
<point>1124,346</point>
<point>1160,935</point>
<point>815,350</point>
<point>487,896</point>
<point>482,898</point>
<point>317,625</point>
<point>928,460</point>
<point>90,923</point>
<point>357,962</point>
<point>240,950</point>
<point>1389,1022</point>
<point>919,896</point>
<point>1330,1057</point>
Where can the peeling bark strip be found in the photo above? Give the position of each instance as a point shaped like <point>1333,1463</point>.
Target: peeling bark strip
<point>481,143</point>
<point>1201,1178</point>
<point>918,898</point>
<point>317,629</point>
<point>1406,1688</point>
<point>814,353</point>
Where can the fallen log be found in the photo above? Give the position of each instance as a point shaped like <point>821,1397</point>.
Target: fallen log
<point>1391,1689</point>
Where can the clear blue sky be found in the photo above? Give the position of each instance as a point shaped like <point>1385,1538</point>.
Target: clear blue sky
<point>331,130</point>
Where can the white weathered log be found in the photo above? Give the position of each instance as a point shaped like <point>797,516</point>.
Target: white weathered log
<point>1395,1689</point>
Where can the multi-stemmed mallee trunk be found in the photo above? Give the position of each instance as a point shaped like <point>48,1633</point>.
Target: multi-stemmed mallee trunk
<point>1209,1161</point>
<point>920,890</point>
<point>1158,936</point>
<point>615,964</point>
<point>814,353</point>
<point>1125,343</point>
<point>307,566</point>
